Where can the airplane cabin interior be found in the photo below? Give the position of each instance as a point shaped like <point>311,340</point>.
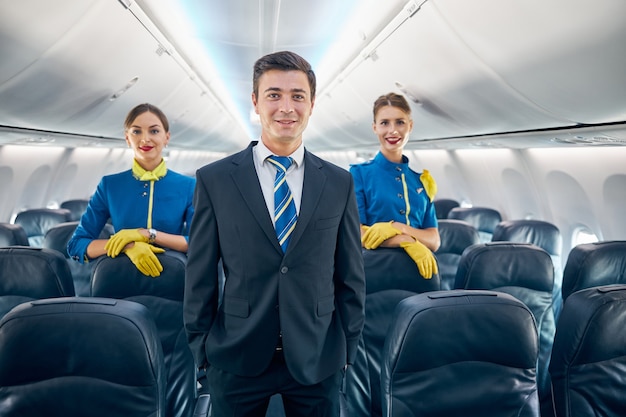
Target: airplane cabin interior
<point>519,114</point>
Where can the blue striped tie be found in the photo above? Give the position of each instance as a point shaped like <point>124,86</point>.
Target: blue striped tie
<point>285,215</point>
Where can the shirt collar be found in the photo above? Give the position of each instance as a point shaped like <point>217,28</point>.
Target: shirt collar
<point>263,153</point>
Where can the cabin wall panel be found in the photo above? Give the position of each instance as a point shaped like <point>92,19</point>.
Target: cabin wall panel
<point>575,182</point>
<point>6,192</point>
<point>481,171</point>
<point>32,175</point>
<point>570,187</point>
<point>614,202</point>
<point>45,176</point>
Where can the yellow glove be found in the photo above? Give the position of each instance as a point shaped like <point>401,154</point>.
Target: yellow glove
<point>377,234</point>
<point>423,258</point>
<point>429,184</point>
<point>118,241</point>
<point>143,256</point>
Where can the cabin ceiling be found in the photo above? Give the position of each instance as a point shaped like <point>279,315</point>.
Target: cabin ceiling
<point>479,73</point>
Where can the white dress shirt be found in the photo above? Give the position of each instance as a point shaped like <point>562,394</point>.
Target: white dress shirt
<point>266,171</point>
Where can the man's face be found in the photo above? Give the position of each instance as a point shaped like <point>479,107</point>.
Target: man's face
<point>284,104</point>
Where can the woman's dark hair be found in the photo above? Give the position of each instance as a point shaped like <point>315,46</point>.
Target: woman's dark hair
<point>393,100</point>
<point>283,61</point>
<point>143,108</point>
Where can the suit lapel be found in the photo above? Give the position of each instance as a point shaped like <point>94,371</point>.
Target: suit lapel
<point>314,179</point>
<point>247,182</point>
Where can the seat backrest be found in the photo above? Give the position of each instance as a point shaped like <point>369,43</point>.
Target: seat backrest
<point>589,354</point>
<point>163,296</point>
<point>76,207</point>
<point>390,275</point>
<point>12,235</point>
<point>524,271</point>
<point>484,219</point>
<point>56,238</point>
<point>593,265</point>
<point>392,268</point>
<point>28,273</point>
<point>443,207</point>
<point>460,353</point>
<point>78,356</point>
<point>543,234</point>
<point>456,236</point>
<point>538,232</point>
<point>36,222</point>
<point>58,235</point>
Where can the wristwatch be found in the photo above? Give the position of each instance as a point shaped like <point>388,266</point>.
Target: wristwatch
<point>152,234</point>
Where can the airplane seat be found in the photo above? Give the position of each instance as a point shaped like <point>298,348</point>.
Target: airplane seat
<point>390,276</point>
<point>460,353</point>
<point>28,273</point>
<point>524,271</point>
<point>589,354</point>
<point>484,219</point>
<point>392,268</point>
<point>12,235</point>
<point>543,234</point>
<point>443,207</point>
<point>76,207</point>
<point>593,265</point>
<point>77,356</point>
<point>36,222</point>
<point>118,278</point>
<point>456,236</point>
<point>56,238</point>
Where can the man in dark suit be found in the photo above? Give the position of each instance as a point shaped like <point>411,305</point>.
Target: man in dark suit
<point>286,319</point>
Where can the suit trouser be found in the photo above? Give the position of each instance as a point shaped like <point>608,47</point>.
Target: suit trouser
<point>237,396</point>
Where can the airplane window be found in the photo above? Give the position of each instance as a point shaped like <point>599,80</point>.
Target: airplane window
<point>583,235</point>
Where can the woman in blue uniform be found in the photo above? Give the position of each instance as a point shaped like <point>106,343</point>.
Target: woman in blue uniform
<point>149,205</point>
<point>395,202</point>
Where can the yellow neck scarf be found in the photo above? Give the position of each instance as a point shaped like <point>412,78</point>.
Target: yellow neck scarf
<point>154,175</point>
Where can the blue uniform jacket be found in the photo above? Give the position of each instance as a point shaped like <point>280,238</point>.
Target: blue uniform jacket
<point>125,200</point>
<point>388,191</point>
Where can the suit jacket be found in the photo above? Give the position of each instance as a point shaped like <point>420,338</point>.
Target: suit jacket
<point>314,293</point>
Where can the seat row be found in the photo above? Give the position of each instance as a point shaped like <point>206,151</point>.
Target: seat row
<point>522,270</point>
<point>56,237</point>
<point>31,225</point>
<point>34,281</point>
<point>391,279</point>
<point>471,352</point>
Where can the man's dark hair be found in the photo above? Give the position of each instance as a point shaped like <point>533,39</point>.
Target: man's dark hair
<point>283,61</point>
